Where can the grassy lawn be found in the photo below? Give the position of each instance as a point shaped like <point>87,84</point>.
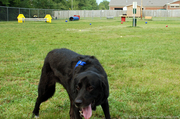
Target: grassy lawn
<point>142,63</point>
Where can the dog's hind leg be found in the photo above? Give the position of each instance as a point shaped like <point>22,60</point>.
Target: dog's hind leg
<point>46,89</point>
<point>43,96</point>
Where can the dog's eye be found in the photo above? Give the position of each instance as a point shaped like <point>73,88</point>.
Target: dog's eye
<point>77,87</point>
<point>90,88</point>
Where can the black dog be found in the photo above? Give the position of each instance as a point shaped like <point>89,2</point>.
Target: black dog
<point>81,75</point>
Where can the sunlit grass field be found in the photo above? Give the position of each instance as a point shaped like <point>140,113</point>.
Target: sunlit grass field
<point>142,63</point>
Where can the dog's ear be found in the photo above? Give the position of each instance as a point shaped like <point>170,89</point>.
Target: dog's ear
<point>88,59</point>
<point>93,57</point>
<point>80,57</point>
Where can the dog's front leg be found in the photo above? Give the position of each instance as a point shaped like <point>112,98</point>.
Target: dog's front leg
<point>76,113</point>
<point>71,112</point>
<point>105,107</point>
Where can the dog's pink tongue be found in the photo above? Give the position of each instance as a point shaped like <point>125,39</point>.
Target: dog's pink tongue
<point>87,112</point>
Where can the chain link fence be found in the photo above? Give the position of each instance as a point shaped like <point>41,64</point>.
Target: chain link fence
<point>11,13</point>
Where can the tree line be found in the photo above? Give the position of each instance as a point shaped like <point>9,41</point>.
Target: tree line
<point>57,4</point>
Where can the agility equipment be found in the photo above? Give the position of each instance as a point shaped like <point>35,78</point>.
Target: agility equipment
<point>48,18</point>
<point>73,18</point>
<point>77,16</point>
<point>22,19</point>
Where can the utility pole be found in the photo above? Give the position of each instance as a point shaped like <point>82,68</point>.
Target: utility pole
<point>141,8</point>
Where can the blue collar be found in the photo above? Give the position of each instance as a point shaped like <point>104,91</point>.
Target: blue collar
<point>80,63</point>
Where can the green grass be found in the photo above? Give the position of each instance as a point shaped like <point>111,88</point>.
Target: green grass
<point>142,63</point>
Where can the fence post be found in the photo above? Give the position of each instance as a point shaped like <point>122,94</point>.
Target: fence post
<point>92,14</point>
<point>29,13</point>
<point>84,13</point>
<point>7,13</point>
<point>68,13</point>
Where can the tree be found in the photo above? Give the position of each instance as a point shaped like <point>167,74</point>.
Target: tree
<point>87,5</point>
<point>104,5</point>
<point>4,2</point>
<point>61,4</point>
<point>44,4</point>
<point>52,4</point>
<point>16,3</point>
<point>94,4</point>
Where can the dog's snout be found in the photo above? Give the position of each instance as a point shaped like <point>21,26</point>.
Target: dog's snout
<point>78,102</point>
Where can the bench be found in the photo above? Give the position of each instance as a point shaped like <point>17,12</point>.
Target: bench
<point>148,17</point>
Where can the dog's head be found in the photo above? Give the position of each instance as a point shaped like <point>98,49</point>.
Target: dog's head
<point>91,90</point>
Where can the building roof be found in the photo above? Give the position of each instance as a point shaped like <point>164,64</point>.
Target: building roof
<point>146,3</point>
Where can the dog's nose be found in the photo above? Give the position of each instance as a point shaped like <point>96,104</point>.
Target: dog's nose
<point>78,102</point>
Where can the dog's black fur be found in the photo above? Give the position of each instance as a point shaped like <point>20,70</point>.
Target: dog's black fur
<point>85,85</point>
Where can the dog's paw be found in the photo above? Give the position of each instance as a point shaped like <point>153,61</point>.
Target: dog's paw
<point>35,116</point>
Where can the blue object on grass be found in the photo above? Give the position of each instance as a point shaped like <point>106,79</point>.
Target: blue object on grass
<point>73,18</point>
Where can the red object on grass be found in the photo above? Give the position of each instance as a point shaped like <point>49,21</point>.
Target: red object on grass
<point>77,16</point>
<point>123,19</point>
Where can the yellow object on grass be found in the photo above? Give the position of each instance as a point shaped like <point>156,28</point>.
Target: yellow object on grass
<point>48,18</point>
<point>21,18</point>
